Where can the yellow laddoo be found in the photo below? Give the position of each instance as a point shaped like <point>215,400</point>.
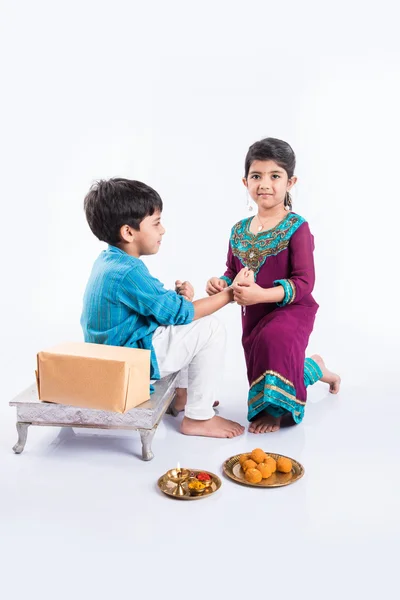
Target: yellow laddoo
<point>249,464</point>
<point>284,465</point>
<point>265,470</point>
<point>270,461</point>
<point>258,455</point>
<point>253,476</point>
<point>243,459</point>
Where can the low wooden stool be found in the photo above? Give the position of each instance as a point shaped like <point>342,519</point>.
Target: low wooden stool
<point>143,418</point>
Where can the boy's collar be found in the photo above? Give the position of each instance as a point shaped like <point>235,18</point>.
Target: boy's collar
<point>115,249</point>
<point>119,251</point>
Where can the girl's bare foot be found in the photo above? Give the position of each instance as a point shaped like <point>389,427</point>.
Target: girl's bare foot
<point>332,379</point>
<point>265,423</point>
<point>181,399</point>
<point>216,427</point>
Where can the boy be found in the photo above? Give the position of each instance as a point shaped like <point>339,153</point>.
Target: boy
<point>125,306</point>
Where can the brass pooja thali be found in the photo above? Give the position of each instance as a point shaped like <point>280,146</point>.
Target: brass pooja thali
<point>234,471</point>
<point>177,483</point>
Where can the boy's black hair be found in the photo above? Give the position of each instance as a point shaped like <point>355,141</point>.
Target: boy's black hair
<point>116,202</point>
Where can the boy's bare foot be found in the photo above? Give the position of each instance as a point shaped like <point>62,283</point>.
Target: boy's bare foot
<point>332,379</point>
<point>216,427</point>
<point>265,423</point>
<point>181,399</point>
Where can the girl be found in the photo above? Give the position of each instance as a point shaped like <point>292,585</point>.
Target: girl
<point>273,251</point>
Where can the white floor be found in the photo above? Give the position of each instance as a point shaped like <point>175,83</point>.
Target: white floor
<point>81,515</point>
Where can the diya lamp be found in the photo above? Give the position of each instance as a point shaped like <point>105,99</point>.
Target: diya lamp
<point>178,476</point>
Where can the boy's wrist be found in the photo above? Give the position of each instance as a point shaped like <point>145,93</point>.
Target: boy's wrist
<point>228,290</point>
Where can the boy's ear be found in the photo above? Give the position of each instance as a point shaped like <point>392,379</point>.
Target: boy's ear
<point>244,181</point>
<point>127,234</point>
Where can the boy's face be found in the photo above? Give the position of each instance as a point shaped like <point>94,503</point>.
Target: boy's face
<point>147,240</point>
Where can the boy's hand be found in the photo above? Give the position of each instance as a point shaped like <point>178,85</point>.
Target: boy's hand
<point>185,289</point>
<point>215,285</point>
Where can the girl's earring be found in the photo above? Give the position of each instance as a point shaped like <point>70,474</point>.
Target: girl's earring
<point>249,205</point>
<point>288,202</point>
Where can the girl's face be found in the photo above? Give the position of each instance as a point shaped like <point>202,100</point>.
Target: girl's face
<point>268,183</point>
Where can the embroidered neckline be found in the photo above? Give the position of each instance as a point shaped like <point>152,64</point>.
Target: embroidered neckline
<point>250,220</point>
<point>253,249</point>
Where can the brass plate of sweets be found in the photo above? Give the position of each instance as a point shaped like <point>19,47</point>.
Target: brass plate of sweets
<point>169,488</point>
<point>234,471</point>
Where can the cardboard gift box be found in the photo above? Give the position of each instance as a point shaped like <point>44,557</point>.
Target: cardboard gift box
<point>97,376</point>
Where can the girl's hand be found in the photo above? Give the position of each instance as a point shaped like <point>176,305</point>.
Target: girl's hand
<point>244,277</point>
<point>248,294</point>
<point>215,285</point>
<point>185,289</point>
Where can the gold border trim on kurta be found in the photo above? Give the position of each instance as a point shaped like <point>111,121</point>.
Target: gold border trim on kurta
<point>288,404</point>
<point>275,389</point>
<point>290,282</point>
<point>269,372</point>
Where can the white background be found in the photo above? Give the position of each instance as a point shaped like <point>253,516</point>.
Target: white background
<point>173,94</point>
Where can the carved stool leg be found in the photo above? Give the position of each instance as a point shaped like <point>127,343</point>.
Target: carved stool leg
<point>146,435</point>
<point>22,429</point>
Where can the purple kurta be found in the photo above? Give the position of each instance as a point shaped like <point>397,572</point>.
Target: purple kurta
<point>275,337</point>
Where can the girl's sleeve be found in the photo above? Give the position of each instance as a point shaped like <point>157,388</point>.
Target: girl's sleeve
<point>302,277</point>
<point>231,270</point>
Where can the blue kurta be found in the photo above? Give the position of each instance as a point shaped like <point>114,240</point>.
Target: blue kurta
<point>123,304</point>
